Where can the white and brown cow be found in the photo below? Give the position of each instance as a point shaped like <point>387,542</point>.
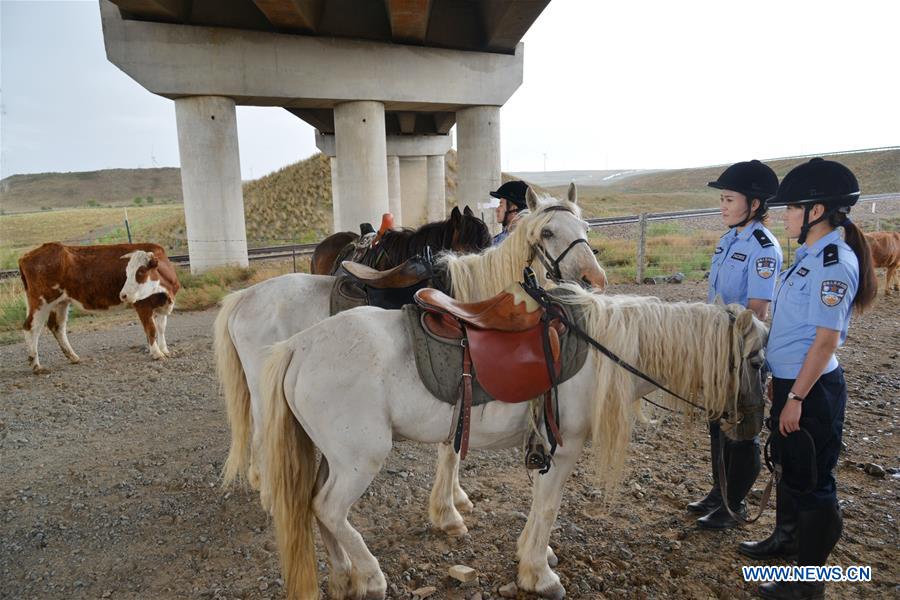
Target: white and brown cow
<point>96,278</point>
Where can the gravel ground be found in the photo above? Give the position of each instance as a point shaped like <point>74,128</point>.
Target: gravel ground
<point>109,487</point>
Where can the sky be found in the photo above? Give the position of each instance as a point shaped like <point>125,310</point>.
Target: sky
<point>607,85</point>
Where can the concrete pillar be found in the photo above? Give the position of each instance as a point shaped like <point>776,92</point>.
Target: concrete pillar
<point>436,201</point>
<point>478,148</point>
<point>211,182</point>
<point>394,202</point>
<point>413,190</point>
<point>335,197</point>
<point>362,164</point>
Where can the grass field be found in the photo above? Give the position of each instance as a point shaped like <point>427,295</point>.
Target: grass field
<point>198,293</point>
<point>22,232</point>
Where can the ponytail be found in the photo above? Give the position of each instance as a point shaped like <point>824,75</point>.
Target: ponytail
<point>868,283</point>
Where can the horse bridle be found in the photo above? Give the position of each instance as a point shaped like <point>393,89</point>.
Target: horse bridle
<point>550,264</point>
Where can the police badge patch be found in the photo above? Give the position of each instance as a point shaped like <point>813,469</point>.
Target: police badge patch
<point>765,267</point>
<point>833,292</point>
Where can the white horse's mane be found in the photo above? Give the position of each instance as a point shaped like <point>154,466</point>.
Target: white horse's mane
<point>479,276</point>
<point>679,344</point>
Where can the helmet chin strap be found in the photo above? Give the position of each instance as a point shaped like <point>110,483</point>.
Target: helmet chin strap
<point>748,218</point>
<point>742,223</point>
<point>807,225</point>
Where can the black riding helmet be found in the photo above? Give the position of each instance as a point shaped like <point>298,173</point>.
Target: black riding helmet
<point>818,181</point>
<point>754,180</point>
<point>513,192</point>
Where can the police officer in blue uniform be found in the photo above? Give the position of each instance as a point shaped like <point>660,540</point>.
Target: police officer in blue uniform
<point>512,206</point>
<point>810,317</point>
<point>744,268</point>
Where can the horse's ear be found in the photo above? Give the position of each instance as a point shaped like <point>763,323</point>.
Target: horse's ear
<point>468,211</point>
<point>455,215</point>
<point>573,193</point>
<point>531,200</point>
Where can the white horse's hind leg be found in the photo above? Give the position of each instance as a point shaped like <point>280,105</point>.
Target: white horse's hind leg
<point>338,561</point>
<point>442,505</point>
<point>343,487</point>
<point>535,574</point>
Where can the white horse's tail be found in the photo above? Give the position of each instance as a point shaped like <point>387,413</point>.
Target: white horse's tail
<point>237,394</point>
<point>288,485</point>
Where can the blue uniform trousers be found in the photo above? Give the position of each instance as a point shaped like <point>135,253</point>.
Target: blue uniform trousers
<point>823,418</point>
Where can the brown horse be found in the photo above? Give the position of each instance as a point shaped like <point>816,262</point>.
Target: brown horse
<point>463,233</point>
<point>885,247</point>
<point>326,253</point>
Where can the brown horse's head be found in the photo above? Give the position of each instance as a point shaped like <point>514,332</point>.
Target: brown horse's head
<point>470,234</point>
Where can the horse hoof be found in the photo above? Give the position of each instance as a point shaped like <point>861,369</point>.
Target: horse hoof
<point>373,588</point>
<point>40,370</point>
<point>456,529</point>
<point>554,592</point>
<point>74,360</point>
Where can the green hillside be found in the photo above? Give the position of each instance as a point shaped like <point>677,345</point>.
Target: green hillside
<point>110,187</point>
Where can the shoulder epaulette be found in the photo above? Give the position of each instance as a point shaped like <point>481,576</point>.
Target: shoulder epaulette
<point>830,255</point>
<point>762,238</point>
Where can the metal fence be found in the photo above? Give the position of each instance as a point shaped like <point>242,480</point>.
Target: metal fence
<point>656,246</point>
<point>650,246</point>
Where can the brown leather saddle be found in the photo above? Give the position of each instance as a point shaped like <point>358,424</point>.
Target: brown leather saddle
<point>503,337</point>
<point>509,342</point>
<point>403,275</point>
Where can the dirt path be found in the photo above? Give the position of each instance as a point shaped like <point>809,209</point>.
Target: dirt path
<point>109,488</point>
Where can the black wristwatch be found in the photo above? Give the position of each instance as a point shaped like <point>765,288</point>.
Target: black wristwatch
<point>793,396</point>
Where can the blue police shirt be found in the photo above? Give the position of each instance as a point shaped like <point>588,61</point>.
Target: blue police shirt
<point>745,265</point>
<point>817,291</point>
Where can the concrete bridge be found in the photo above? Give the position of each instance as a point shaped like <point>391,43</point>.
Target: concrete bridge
<point>382,81</point>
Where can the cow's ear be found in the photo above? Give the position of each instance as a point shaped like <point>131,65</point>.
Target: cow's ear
<point>152,263</point>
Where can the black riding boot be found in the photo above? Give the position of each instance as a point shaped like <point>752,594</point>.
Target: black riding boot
<point>713,499</point>
<point>743,468</point>
<point>783,541</point>
<point>817,533</point>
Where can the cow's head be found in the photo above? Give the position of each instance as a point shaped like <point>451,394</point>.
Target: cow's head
<point>142,278</point>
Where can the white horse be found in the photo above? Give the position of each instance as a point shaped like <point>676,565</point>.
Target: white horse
<point>352,400</point>
<point>251,320</point>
